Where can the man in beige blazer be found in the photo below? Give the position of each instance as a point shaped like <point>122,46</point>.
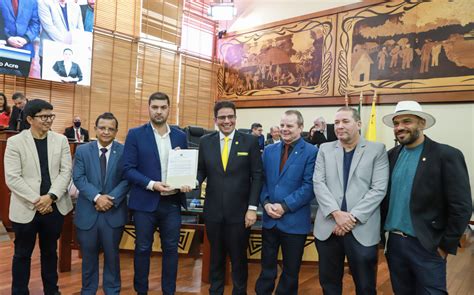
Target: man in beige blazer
<point>37,172</point>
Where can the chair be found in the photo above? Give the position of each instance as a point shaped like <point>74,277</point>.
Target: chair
<point>194,134</point>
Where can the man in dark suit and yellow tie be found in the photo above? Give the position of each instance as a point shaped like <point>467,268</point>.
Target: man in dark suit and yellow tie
<point>231,162</point>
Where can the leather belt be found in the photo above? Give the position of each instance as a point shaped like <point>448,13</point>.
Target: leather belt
<point>400,233</point>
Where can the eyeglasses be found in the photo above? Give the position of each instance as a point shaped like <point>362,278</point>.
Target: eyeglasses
<point>45,118</point>
<point>103,129</point>
<point>229,117</point>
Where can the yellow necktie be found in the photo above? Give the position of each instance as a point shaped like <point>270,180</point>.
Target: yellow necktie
<point>225,152</point>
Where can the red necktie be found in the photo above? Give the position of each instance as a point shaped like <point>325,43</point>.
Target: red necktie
<point>285,156</point>
<point>78,136</point>
<point>15,7</point>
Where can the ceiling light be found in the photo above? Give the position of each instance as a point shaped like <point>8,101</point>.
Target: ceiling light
<point>222,11</point>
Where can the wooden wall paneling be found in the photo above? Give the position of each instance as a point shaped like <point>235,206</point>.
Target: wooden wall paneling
<point>168,80</point>
<point>62,98</point>
<point>102,70</point>
<point>190,88</point>
<point>136,104</point>
<point>204,93</point>
<point>105,13</point>
<point>126,17</point>
<point>120,88</point>
<point>8,87</point>
<point>162,20</point>
<point>35,88</point>
<point>81,107</point>
<point>150,78</point>
<point>132,116</point>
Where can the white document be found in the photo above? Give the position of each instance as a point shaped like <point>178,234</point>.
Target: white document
<point>182,168</point>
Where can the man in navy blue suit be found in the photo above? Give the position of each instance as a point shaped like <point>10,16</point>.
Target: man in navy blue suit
<point>101,209</point>
<point>22,24</point>
<point>286,195</point>
<point>153,202</point>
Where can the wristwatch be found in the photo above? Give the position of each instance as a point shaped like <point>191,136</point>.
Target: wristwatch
<point>53,197</point>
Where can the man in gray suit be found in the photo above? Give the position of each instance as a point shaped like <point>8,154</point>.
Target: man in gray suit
<point>350,181</point>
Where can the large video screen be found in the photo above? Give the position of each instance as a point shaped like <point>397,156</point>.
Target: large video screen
<point>47,39</point>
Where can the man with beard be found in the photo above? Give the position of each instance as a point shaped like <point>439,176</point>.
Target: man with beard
<point>350,182</point>
<point>154,203</point>
<point>428,205</point>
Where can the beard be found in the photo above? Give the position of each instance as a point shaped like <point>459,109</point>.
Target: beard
<point>412,136</point>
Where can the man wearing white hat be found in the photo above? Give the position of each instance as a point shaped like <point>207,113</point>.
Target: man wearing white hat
<point>428,204</point>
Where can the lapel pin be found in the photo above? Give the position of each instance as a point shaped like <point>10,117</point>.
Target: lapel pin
<point>236,142</point>
<point>296,153</point>
<point>114,152</point>
<point>424,159</point>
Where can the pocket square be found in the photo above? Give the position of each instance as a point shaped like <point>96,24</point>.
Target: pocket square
<point>242,154</point>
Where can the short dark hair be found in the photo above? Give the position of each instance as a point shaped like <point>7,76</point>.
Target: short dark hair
<point>355,113</point>
<point>18,95</point>
<point>106,116</point>
<point>35,106</point>
<point>256,125</point>
<point>223,104</point>
<point>68,49</point>
<point>159,96</point>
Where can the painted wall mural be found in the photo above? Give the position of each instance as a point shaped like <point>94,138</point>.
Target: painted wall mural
<point>408,46</point>
<point>294,60</point>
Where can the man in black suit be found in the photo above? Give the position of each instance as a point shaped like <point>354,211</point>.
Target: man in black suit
<point>76,132</point>
<point>18,120</point>
<point>231,162</point>
<point>323,132</point>
<point>428,204</point>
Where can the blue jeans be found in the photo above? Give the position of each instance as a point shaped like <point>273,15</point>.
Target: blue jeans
<point>413,269</point>
<point>167,218</point>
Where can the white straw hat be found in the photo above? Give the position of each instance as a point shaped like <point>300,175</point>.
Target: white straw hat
<point>409,107</point>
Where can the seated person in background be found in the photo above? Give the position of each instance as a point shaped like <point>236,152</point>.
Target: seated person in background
<point>17,117</point>
<point>309,137</point>
<point>4,111</point>
<point>68,71</point>
<point>257,131</point>
<point>275,135</point>
<point>323,132</point>
<point>76,132</point>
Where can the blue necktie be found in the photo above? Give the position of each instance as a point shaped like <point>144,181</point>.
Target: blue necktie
<point>103,165</point>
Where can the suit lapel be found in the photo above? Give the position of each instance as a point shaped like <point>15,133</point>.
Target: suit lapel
<point>51,145</point>
<point>425,158</point>
<point>150,136</point>
<point>94,154</point>
<point>112,161</point>
<point>295,153</point>
<point>233,148</point>
<point>31,146</point>
<point>359,151</point>
<point>339,157</point>
<point>216,150</point>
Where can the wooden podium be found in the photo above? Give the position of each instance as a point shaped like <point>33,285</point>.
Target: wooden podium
<point>4,191</point>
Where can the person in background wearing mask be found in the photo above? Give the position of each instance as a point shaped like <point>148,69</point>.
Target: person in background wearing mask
<point>75,132</point>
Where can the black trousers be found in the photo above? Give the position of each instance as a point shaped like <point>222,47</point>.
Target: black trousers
<point>48,228</point>
<point>292,247</point>
<point>362,263</point>
<point>228,239</point>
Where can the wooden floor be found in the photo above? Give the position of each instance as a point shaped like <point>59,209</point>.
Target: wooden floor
<point>460,275</point>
